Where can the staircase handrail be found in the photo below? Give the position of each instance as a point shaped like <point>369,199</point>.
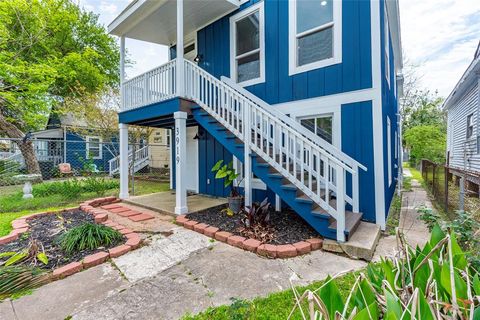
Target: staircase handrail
<point>297,126</point>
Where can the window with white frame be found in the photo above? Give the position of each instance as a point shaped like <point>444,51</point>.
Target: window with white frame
<point>387,45</point>
<point>315,32</point>
<point>247,46</point>
<point>94,148</point>
<point>469,126</point>
<point>168,134</point>
<point>389,150</point>
<point>321,125</point>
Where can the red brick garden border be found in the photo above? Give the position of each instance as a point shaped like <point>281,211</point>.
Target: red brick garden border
<point>20,226</point>
<point>252,245</point>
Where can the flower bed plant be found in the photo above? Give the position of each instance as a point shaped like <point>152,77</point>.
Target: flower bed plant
<point>60,239</point>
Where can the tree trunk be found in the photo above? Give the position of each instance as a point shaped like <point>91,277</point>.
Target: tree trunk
<point>26,148</point>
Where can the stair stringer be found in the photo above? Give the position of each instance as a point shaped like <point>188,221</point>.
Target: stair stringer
<point>302,207</point>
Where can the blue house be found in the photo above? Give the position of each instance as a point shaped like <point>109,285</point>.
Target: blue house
<point>301,95</point>
<point>62,141</point>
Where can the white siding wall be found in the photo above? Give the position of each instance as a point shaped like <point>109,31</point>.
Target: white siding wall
<point>463,152</point>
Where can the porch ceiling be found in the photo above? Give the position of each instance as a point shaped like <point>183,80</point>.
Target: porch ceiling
<point>156,20</point>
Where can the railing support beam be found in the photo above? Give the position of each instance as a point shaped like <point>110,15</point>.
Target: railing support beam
<point>181,162</point>
<point>123,131</point>
<point>247,163</point>
<point>180,65</point>
<point>340,180</point>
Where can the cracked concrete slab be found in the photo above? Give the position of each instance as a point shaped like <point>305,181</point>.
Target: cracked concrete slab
<point>6,311</point>
<point>59,299</point>
<point>161,253</point>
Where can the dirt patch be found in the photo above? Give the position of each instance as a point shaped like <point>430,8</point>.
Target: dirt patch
<point>47,229</point>
<point>288,226</point>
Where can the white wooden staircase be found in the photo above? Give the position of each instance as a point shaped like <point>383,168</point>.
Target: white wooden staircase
<point>140,159</point>
<point>317,180</point>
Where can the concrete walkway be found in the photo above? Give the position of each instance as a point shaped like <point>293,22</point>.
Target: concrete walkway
<point>178,271</point>
<point>415,230</point>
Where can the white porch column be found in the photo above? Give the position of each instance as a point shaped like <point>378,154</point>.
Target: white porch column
<point>122,70</point>
<point>179,74</point>
<point>123,128</point>
<point>181,162</point>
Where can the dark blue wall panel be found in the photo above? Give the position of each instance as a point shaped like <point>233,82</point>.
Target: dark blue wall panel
<point>353,73</point>
<point>357,142</point>
<point>390,110</point>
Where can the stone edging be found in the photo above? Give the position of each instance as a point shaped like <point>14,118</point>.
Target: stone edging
<point>20,226</point>
<point>252,245</point>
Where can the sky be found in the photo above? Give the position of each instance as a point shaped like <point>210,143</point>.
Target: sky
<point>439,37</point>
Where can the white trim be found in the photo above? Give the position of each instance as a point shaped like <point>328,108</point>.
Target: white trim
<point>100,147</point>
<point>377,114</point>
<point>389,150</point>
<point>386,34</point>
<point>293,35</point>
<point>233,57</point>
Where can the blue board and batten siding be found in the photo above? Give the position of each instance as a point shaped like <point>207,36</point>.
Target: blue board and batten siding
<point>354,73</point>
<point>76,153</point>
<point>389,111</point>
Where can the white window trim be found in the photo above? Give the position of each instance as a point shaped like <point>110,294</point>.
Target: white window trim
<point>233,43</point>
<point>292,39</point>
<point>387,46</point>
<point>389,150</point>
<point>335,124</point>
<point>100,153</point>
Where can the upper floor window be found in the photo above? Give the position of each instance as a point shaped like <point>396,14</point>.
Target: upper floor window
<point>247,52</point>
<point>469,126</point>
<point>315,31</point>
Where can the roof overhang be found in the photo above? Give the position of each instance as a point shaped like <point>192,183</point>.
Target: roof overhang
<point>469,78</point>
<point>156,20</point>
<point>393,11</point>
<point>49,134</point>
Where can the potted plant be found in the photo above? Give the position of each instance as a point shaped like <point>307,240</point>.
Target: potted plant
<point>228,173</point>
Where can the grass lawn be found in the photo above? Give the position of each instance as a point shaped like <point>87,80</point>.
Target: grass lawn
<point>274,306</point>
<point>416,174</point>
<point>13,206</point>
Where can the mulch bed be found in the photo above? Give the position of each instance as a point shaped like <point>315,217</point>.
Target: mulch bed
<point>47,229</point>
<point>288,227</point>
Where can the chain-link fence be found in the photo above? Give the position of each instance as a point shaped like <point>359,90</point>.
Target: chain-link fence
<point>81,156</point>
<point>453,189</point>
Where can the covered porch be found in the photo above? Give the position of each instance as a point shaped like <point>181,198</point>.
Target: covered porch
<point>162,97</point>
<point>165,202</point>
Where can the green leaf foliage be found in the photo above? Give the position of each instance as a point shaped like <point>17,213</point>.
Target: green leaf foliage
<point>426,142</point>
<point>88,236</point>
<point>331,297</point>
<point>18,279</point>
<point>50,50</point>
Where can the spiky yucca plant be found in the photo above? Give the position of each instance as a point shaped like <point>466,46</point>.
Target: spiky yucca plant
<point>88,236</point>
<point>18,279</point>
<point>433,282</point>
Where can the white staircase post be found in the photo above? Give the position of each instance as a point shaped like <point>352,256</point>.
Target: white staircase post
<point>180,162</point>
<point>180,64</point>
<point>247,163</point>
<point>340,180</point>
<point>123,128</point>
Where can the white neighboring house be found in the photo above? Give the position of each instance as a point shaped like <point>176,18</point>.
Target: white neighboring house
<point>463,119</point>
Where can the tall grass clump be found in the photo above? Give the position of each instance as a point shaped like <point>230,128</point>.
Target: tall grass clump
<point>88,236</point>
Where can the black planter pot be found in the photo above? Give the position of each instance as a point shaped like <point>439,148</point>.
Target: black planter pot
<point>235,203</point>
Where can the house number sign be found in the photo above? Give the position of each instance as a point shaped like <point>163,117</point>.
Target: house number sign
<point>177,144</point>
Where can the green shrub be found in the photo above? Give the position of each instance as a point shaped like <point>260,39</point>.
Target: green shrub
<point>16,280</point>
<point>99,185</point>
<point>72,188</point>
<point>88,236</point>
